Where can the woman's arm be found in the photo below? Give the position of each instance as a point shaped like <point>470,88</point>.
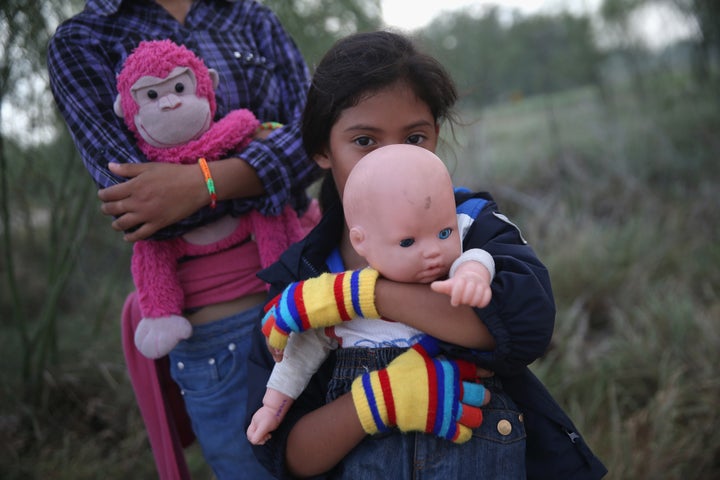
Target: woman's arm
<point>280,160</point>
<point>266,175</point>
<point>82,78</point>
<point>157,195</point>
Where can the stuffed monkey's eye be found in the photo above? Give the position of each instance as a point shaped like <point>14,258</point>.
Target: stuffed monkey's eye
<point>179,87</point>
<point>152,94</point>
<point>406,242</point>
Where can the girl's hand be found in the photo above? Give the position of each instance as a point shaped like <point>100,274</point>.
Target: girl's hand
<point>156,195</point>
<point>420,391</point>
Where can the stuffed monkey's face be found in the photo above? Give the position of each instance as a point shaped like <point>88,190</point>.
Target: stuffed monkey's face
<point>170,113</point>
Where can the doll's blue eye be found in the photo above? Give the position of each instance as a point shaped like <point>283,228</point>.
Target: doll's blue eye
<point>179,87</point>
<point>406,242</point>
<point>152,94</point>
<point>445,233</point>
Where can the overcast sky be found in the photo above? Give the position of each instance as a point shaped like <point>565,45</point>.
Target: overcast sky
<point>411,15</point>
<point>658,25</point>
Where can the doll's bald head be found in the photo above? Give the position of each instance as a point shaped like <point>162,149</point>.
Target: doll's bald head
<point>398,200</point>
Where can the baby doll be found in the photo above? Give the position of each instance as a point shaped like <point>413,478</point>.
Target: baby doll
<point>399,208</point>
<point>166,95</point>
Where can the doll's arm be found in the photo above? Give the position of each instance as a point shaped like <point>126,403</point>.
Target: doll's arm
<point>304,354</point>
<point>269,416</point>
<point>470,278</point>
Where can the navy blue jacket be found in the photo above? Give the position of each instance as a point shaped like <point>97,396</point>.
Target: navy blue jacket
<point>520,317</point>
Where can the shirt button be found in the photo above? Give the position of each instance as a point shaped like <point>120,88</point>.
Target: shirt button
<point>180,365</point>
<point>237,54</point>
<point>232,347</point>
<point>504,427</point>
<point>211,361</point>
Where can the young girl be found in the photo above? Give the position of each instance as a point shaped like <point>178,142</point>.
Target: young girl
<point>400,210</point>
<point>372,90</point>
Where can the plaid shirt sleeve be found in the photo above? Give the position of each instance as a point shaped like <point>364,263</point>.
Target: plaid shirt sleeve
<point>280,160</point>
<point>83,84</point>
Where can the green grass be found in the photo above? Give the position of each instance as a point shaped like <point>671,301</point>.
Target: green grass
<point>618,196</point>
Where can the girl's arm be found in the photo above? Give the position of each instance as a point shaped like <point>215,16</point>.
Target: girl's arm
<point>420,307</point>
<point>323,437</point>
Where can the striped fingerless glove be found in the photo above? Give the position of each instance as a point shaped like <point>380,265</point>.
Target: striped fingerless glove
<point>421,392</point>
<point>324,301</point>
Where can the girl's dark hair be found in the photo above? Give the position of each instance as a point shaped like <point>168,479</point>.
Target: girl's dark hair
<point>361,64</point>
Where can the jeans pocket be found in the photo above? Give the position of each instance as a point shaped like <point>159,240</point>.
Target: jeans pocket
<point>200,377</point>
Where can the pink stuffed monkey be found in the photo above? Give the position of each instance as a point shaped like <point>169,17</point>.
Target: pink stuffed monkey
<point>399,207</point>
<point>166,95</point>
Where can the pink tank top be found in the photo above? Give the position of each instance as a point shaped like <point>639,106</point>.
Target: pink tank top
<point>222,276</point>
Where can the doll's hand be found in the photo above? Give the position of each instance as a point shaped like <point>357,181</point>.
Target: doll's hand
<point>319,302</point>
<point>268,417</point>
<point>420,391</point>
<point>277,353</point>
<point>154,196</point>
<point>470,285</point>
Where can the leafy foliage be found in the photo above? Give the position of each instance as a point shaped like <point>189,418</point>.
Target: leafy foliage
<point>493,62</point>
<point>317,24</point>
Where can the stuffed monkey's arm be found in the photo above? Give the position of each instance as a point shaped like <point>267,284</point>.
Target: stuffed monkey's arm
<point>161,297</point>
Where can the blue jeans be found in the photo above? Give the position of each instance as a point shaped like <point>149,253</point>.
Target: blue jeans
<point>496,449</point>
<point>211,369</point>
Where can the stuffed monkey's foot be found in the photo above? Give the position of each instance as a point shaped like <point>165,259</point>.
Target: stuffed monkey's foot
<point>155,337</point>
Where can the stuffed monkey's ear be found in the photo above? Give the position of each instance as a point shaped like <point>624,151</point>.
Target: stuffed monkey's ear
<point>357,239</point>
<point>215,77</point>
<point>117,106</point>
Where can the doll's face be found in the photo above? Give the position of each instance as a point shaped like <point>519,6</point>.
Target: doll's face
<point>400,209</point>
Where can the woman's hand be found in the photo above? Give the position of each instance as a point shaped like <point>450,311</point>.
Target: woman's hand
<point>156,195</point>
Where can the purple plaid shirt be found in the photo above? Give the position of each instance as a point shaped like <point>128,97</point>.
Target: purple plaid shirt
<point>260,69</point>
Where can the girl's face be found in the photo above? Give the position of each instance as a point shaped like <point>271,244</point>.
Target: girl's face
<point>390,116</point>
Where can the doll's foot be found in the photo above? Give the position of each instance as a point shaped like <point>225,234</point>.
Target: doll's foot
<point>155,337</point>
